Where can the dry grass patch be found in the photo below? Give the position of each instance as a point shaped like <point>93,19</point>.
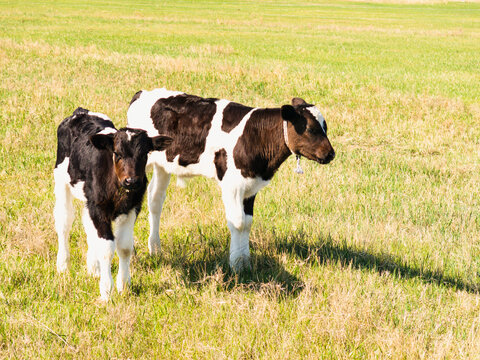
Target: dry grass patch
<point>372,257</point>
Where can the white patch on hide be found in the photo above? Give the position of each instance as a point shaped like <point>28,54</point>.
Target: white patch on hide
<point>138,114</point>
<point>107,131</point>
<point>100,115</point>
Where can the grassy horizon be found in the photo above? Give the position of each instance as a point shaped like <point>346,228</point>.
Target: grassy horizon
<point>375,256</point>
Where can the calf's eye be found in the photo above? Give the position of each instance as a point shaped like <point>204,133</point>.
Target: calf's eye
<point>117,156</point>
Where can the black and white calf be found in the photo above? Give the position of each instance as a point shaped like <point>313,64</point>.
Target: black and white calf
<point>105,168</point>
<point>240,146</point>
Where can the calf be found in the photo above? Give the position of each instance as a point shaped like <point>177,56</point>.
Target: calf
<point>105,168</point>
<point>239,146</point>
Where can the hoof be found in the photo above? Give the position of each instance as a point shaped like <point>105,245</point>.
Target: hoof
<point>240,263</point>
<point>63,264</point>
<point>93,268</point>
<point>123,284</point>
<point>154,247</point>
<point>62,267</point>
<point>105,291</point>
<point>103,299</point>
<point>181,182</point>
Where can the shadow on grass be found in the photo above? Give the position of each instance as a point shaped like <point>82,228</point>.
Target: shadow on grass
<point>327,250</point>
<point>203,261</point>
<point>266,275</point>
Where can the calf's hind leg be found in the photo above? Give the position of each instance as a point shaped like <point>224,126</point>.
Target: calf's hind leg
<point>157,192</point>
<point>64,215</point>
<point>93,265</point>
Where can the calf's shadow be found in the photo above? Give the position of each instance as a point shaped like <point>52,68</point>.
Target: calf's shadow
<point>325,250</point>
<point>202,261</point>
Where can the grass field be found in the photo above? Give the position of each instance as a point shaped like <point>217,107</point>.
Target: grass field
<point>375,256</point>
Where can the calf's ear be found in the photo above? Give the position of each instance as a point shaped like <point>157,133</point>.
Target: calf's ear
<point>298,101</point>
<point>298,121</point>
<point>102,141</point>
<point>289,113</point>
<point>161,142</point>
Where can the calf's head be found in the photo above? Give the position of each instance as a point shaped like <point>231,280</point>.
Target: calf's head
<point>129,148</point>
<point>306,131</point>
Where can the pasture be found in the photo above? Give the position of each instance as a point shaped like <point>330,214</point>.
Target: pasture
<point>374,256</point>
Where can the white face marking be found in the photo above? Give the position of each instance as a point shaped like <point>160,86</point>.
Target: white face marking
<point>107,131</point>
<point>100,115</point>
<point>317,115</point>
<point>130,135</point>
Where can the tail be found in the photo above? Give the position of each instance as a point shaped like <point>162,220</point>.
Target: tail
<point>65,136</point>
<point>64,142</point>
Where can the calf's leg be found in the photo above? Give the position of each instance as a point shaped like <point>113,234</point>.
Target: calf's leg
<point>157,192</point>
<point>93,265</point>
<point>64,214</point>
<point>101,249</point>
<point>124,225</point>
<point>106,251</point>
<point>239,213</point>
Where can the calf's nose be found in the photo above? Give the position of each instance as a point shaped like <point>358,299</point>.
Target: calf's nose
<point>130,182</point>
<point>330,156</point>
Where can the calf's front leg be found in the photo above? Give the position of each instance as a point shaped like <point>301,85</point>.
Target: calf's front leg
<point>239,214</point>
<point>101,237</point>
<point>124,225</point>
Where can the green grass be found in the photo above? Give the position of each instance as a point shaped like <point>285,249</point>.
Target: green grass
<point>375,256</point>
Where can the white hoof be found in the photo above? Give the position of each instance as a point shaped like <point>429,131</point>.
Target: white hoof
<point>240,263</point>
<point>181,182</point>
<point>103,299</point>
<point>105,290</point>
<point>93,270</point>
<point>154,246</point>
<point>62,267</point>
<point>93,266</point>
<point>122,284</point>
<point>63,263</point>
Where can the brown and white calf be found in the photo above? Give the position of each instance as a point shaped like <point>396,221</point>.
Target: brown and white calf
<point>105,168</point>
<point>239,146</point>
